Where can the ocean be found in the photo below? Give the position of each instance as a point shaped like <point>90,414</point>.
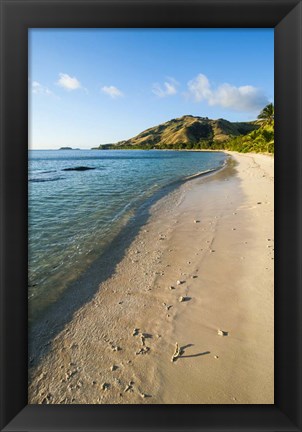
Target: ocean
<point>74,214</point>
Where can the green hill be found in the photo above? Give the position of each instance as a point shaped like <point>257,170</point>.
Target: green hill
<point>187,132</point>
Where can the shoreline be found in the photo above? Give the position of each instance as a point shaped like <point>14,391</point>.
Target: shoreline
<point>136,217</point>
<point>128,216</point>
<point>94,358</point>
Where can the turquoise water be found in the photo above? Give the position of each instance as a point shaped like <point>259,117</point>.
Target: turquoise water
<point>73,215</point>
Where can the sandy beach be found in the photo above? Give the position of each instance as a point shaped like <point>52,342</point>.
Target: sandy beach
<point>199,273</point>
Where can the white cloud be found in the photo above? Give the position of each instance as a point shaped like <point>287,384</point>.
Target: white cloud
<point>40,89</point>
<point>68,82</point>
<point>199,88</point>
<point>244,98</point>
<point>169,88</point>
<point>112,91</point>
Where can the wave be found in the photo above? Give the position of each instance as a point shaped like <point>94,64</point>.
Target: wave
<point>47,172</point>
<point>41,180</point>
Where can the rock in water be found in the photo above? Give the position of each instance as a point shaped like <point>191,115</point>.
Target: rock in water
<point>78,168</point>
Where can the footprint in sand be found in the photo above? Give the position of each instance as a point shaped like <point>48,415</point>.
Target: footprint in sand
<point>129,387</point>
<point>143,350</point>
<point>105,386</point>
<point>116,348</point>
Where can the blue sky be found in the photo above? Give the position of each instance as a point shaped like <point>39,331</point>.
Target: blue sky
<point>88,87</point>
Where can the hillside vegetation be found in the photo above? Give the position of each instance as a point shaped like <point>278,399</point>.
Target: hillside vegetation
<point>189,132</point>
<point>257,141</point>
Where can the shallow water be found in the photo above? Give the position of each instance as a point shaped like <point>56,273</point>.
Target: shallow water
<point>75,214</point>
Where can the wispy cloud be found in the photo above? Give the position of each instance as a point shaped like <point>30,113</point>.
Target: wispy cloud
<point>68,82</point>
<point>40,89</point>
<point>244,98</point>
<point>112,91</point>
<point>168,88</point>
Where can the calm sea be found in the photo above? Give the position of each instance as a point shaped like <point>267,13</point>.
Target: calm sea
<point>74,215</point>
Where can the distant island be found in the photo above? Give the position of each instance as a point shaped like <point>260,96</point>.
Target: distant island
<point>201,133</point>
<point>68,148</point>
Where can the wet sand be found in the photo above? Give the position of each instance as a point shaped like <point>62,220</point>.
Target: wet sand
<point>199,273</point>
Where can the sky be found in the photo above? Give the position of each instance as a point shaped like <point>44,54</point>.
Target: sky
<point>95,86</point>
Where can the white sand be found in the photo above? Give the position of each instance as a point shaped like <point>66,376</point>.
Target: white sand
<point>225,261</point>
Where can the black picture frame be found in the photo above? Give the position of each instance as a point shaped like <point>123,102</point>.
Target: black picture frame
<point>16,17</point>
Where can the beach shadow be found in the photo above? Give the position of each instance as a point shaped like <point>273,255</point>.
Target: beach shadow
<point>147,335</point>
<point>195,355</point>
<point>183,350</point>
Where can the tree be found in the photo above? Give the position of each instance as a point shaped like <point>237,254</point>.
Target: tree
<point>266,117</point>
